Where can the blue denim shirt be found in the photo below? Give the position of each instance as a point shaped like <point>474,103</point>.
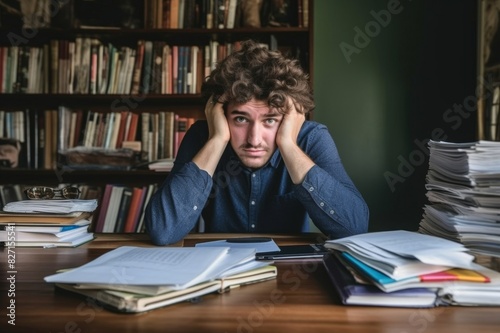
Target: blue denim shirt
<point>239,200</point>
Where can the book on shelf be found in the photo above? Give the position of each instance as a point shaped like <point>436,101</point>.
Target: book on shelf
<point>123,209</point>
<point>135,208</point>
<point>140,222</point>
<point>186,14</point>
<point>116,215</point>
<point>113,208</point>
<point>170,270</point>
<point>103,207</point>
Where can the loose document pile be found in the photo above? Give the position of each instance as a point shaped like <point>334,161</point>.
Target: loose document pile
<point>408,269</point>
<point>135,279</point>
<point>47,223</point>
<point>463,189</point>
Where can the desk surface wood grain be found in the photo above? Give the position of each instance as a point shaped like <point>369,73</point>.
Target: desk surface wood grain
<point>301,299</point>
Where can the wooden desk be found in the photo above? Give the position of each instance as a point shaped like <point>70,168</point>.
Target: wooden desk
<point>301,299</point>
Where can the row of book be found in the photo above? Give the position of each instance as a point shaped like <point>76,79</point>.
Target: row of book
<point>463,192</point>
<point>89,66</point>
<point>44,134</point>
<point>165,14</point>
<point>159,133</point>
<point>122,208</point>
<point>224,14</point>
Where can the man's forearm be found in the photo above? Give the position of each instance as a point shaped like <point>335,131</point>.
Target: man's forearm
<point>297,162</point>
<point>209,156</point>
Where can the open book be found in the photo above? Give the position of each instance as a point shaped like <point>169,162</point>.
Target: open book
<point>173,267</point>
<point>133,299</point>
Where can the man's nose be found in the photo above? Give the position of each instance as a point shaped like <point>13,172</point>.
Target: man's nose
<point>254,137</point>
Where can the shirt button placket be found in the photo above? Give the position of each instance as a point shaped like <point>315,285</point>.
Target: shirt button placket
<point>253,203</point>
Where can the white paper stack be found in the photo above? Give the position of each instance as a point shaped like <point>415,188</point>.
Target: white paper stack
<point>51,206</point>
<point>463,189</point>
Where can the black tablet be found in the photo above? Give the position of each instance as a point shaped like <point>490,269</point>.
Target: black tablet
<point>294,252</point>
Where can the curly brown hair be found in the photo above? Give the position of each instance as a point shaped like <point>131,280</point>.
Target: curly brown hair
<point>254,71</point>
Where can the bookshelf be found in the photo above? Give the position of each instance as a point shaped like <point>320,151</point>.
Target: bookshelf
<point>50,79</point>
<point>488,69</point>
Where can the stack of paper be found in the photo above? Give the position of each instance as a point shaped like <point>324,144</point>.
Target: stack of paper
<point>51,206</point>
<point>407,267</point>
<point>45,230</point>
<point>47,223</point>
<point>463,189</point>
<point>135,279</point>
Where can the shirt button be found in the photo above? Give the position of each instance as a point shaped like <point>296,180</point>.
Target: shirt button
<point>252,202</point>
<point>331,212</point>
<point>195,207</point>
<point>253,226</point>
<point>321,204</point>
<point>311,189</point>
<point>253,175</point>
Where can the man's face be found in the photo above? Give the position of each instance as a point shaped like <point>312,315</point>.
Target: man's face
<point>10,153</point>
<point>253,127</point>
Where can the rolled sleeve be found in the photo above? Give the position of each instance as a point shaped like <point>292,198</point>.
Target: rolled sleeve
<point>177,205</point>
<point>335,207</point>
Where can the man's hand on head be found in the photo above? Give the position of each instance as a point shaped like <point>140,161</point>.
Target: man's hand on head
<point>218,127</point>
<point>290,126</point>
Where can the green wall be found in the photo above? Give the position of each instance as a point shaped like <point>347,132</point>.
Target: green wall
<point>383,92</point>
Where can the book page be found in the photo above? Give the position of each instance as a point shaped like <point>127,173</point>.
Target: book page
<point>393,246</point>
<point>178,267</point>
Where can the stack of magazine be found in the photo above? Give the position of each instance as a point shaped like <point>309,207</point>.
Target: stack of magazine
<point>157,277</point>
<point>463,190</point>
<point>408,269</point>
<point>47,223</point>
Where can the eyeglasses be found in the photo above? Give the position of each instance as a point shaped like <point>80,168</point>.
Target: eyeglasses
<point>52,193</point>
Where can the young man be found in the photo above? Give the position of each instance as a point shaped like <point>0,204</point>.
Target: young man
<point>256,165</point>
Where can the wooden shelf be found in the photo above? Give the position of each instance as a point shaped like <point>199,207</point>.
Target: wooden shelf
<point>13,101</point>
<point>91,177</point>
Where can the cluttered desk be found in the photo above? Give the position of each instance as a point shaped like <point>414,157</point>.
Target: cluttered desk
<point>299,298</point>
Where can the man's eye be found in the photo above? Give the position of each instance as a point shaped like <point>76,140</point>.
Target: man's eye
<point>271,121</point>
<point>239,119</point>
